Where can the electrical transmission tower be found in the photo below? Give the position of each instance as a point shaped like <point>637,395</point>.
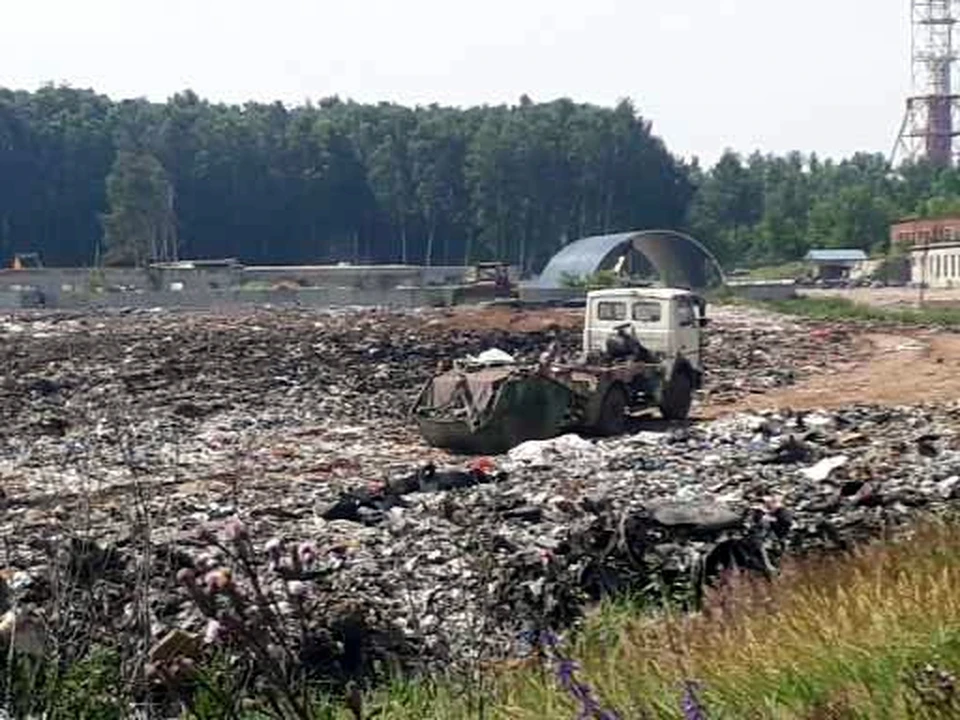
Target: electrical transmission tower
<point>931,118</point>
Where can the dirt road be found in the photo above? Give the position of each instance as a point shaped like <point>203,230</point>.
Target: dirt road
<point>902,369</point>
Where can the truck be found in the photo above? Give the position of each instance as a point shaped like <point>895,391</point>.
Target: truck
<point>641,348</point>
<point>485,282</point>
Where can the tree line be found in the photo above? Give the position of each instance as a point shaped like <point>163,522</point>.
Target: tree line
<point>765,210</point>
<point>87,180</point>
<point>83,179</point>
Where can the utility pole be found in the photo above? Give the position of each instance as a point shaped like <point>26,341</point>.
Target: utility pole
<point>924,264</point>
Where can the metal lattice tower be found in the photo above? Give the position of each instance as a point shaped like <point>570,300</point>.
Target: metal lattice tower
<point>928,129</point>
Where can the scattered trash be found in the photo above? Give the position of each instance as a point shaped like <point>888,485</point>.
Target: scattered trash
<point>544,453</point>
<point>823,469</point>
<point>492,357</point>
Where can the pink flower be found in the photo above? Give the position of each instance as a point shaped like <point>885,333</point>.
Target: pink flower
<point>307,552</point>
<point>213,632</point>
<point>235,531</point>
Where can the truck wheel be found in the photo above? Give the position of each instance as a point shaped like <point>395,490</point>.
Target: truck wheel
<point>677,397</point>
<point>613,412</point>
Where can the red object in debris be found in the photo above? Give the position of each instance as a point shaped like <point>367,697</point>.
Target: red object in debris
<point>822,334</point>
<point>483,465</point>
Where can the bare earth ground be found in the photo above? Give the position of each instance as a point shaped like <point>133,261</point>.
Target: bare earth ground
<point>905,369</point>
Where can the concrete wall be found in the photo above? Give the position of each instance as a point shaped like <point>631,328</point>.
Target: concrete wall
<point>10,300</point>
<point>54,281</point>
<point>764,290</point>
<point>533,293</point>
<point>232,298</point>
<point>318,286</point>
<point>366,277</point>
<point>201,278</point>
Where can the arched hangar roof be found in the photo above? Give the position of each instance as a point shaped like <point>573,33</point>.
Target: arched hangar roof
<point>679,259</point>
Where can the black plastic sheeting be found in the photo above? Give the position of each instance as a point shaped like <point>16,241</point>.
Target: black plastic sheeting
<point>680,260</point>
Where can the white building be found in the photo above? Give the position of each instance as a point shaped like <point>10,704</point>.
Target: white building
<point>936,265</point>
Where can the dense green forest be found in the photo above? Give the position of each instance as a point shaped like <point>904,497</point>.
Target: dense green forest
<point>766,210</point>
<point>339,181</point>
<point>84,179</point>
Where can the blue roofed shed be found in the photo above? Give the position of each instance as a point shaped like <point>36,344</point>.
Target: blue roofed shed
<point>835,264</point>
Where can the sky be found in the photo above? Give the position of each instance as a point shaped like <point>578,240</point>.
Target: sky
<point>824,76</point>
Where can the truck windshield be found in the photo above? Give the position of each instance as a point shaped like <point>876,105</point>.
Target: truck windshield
<point>646,312</point>
<point>609,310</point>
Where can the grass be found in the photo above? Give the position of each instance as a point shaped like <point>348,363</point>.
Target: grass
<point>832,638</point>
<point>837,308</point>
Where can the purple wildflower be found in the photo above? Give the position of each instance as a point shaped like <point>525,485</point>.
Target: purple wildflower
<point>565,670</point>
<point>690,702</point>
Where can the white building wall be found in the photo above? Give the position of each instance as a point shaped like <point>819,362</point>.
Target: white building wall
<point>938,266</point>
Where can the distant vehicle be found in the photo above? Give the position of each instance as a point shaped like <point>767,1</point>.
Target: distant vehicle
<point>641,348</point>
<point>487,281</point>
<point>27,261</point>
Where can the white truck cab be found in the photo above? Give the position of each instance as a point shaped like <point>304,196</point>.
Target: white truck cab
<point>667,322</point>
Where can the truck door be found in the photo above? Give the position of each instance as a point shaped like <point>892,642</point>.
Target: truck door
<point>688,331</point>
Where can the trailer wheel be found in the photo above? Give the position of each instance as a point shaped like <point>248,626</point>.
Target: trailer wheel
<point>613,412</point>
<point>677,397</point>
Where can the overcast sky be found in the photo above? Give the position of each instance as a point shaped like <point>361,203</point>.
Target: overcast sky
<point>815,75</point>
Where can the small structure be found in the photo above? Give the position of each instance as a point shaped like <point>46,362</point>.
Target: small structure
<point>678,259</point>
<point>837,264</point>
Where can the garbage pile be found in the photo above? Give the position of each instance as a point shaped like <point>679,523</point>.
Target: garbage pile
<point>130,436</point>
<point>755,351</point>
<point>573,520</point>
